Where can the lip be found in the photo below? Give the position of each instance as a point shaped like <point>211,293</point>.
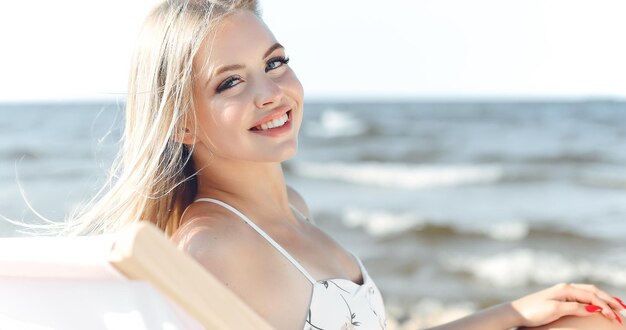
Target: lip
<point>276,113</point>
<point>277,131</point>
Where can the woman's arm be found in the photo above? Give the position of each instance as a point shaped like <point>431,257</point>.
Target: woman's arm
<point>498,317</point>
<point>593,322</point>
<point>545,307</point>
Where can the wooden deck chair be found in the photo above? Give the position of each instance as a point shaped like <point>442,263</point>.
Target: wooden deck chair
<point>124,277</point>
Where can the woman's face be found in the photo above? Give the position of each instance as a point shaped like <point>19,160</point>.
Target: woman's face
<point>241,82</point>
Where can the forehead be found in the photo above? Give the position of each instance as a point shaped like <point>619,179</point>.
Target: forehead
<point>238,37</point>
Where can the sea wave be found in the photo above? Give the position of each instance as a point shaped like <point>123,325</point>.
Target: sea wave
<point>522,267</point>
<point>397,175</point>
<point>388,224</point>
<point>381,223</point>
<point>609,177</point>
<point>13,154</point>
<point>333,123</point>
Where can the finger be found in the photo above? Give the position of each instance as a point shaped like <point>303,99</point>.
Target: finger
<point>574,293</point>
<point>620,302</point>
<point>611,301</point>
<point>576,309</point>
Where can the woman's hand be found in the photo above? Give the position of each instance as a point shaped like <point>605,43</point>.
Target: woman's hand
<point>543,308</point>
<point>565,299</point>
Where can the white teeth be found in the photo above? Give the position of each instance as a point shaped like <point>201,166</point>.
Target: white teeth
<point>274,123</point>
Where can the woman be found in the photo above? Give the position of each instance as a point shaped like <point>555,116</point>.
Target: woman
<point>213,109</point>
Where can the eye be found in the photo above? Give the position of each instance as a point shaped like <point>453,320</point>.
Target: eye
<point>230,82</point>
<point>276,62</point>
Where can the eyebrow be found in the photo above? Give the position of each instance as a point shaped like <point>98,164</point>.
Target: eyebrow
<point>271,49</point>
<point>239,66</point>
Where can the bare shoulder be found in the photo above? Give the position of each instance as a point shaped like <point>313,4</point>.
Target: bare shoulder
<point>298,202</point>
<point>592,322</point>
<point>202,221</point>
<point>212,236</point>
<point>245,263</point>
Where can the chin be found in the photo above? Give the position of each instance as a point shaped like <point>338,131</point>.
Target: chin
<point>290,154</point>
<point>289,157</point>
<point>289,151</point>
<point>278,156</point>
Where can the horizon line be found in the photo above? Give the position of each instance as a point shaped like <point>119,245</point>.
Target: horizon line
<point>367,99</point>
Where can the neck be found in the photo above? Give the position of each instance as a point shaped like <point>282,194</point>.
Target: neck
<point>251,187</point>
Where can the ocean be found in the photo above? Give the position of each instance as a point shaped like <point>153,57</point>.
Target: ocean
<point>452,206</point>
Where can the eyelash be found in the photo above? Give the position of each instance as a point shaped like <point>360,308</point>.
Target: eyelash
<point>282,59</point>
<point>228,83</point>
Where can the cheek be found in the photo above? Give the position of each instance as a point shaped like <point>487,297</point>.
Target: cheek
<point>226,117</point>
<point>217,119</point>
<point>293,86</point>
<point>296,92</point>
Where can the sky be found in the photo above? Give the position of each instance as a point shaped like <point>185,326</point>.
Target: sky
<point>348,49</point>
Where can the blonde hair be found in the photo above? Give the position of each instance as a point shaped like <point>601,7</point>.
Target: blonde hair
<point>153,177</point>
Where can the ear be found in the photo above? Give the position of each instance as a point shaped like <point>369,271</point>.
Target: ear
<point>184,135</point>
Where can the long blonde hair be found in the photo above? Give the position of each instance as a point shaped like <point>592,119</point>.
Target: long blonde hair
<point>152,178</point>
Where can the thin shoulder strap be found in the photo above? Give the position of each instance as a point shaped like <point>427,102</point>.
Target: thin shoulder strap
<point>300,213</point>
<point>262,233</point>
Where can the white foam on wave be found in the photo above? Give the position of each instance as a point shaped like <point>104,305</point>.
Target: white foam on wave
<point>333,123</point>
<point>521,267</point>
<point>398,175</point>
<point>378,223</point>
<point>501,231</point>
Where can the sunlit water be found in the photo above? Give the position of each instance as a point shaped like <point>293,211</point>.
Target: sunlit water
<point>451,207</point>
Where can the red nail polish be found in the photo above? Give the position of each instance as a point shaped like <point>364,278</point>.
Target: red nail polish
<point>620,301</point>
<point>617,318</point>
<point>593,308</point>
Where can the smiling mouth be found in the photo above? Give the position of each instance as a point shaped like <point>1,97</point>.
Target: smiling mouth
<point>277,123</point>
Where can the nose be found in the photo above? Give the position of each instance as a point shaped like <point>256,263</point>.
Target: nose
<point>269,93</point>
